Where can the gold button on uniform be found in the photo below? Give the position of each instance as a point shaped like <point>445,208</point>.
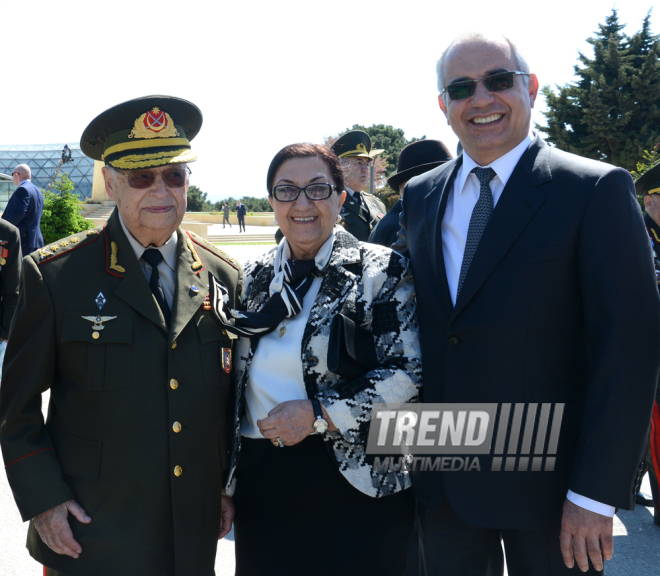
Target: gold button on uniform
<point>174,384</point>
<point>176,427</point>
<point>173,345</point>
<point>178,471</point>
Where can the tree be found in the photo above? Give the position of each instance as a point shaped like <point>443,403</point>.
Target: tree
<point>61,214</point>
<point>612,112</point>
<point>197,200</point>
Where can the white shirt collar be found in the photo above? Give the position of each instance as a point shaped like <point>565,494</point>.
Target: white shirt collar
<point>168,250</point>
<point>503,166</point>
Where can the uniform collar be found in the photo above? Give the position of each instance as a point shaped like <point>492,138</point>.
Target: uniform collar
<point>168,250</point>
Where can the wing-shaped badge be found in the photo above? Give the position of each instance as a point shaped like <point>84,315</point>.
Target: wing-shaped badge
<point>98,321</point>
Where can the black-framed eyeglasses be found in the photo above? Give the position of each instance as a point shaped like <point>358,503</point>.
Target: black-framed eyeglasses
<point>141,179</point>
<point>290,193</point>
<point>493,83</point>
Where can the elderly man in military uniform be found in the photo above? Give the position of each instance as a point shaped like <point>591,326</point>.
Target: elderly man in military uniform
<point>125,476</point>
<point>361,211</point>
<point>648,185</point>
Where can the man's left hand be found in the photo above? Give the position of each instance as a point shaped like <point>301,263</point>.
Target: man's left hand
<point>226,516</point>
<point>582,534</point>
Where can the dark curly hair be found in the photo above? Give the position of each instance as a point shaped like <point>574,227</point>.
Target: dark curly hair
<point>306,150</point>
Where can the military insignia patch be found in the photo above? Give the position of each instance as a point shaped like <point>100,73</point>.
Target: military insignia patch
<point>154,124</point>
<point>4,252</point>
<point>226,360</point>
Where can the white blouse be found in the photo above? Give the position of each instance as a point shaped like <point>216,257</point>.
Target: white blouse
<point>276,369</point>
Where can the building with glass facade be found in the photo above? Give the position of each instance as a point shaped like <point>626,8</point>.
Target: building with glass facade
<point>43,160</point>
<point>6,189</point>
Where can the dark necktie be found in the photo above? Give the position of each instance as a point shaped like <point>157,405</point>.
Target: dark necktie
<point>153,257</point>
<point>364,211</point>
<point>480,216</point>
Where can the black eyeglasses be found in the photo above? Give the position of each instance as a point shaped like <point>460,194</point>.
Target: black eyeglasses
<point>141,179</point>
<point>289,193</point>
<point>493,83</point>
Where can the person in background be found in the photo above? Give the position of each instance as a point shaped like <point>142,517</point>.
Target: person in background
<point>241,211</point>
<point>532,270</point>
<point>10,272</point>
<point>225,215</point>
<point>299,454</point>
<point>24,209</point>
<point>361,211</point>
<point>648,185</point>
<point>125,475</point>
<point>415,159</point>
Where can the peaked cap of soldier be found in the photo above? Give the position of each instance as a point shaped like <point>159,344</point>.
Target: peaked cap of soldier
<point>649,182</point>
<point>355,143</point>
<point>144,132</point>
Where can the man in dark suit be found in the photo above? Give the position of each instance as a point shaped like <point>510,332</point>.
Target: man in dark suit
<point>361,211</point>
<point>24,209</point>
<point>415,159</point>
<point>241,211</point>
<point>535,286</point>
<point>125,475</point>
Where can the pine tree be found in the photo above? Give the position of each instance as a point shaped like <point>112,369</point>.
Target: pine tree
<point>611,113</point>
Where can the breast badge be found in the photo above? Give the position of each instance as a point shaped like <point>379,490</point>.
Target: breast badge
<point>226,360</point>
<point>98,323</point>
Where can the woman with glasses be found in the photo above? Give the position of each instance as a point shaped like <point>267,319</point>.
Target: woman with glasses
<point>308,500</point>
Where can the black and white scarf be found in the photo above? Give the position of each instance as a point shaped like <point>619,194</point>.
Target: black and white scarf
<point>292,280</point>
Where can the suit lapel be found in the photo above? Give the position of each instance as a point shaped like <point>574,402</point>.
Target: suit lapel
<point>133,289</point>
<point>186,300</point>
<point>519,202</point>
<point>435,204</point>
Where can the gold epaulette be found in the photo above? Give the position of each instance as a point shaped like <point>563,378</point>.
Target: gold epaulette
<point>65,245</point>
<point>213,249</point>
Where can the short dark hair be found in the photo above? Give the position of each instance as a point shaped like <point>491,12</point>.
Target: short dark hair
<point>306,150</point>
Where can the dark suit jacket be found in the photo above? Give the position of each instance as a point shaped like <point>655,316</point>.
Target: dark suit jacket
<point>109,440</point>
<point>560,305</point>
<point>385,231</point>
<point>10,271</point>
<point>24,211</point>
<point>241,211</point>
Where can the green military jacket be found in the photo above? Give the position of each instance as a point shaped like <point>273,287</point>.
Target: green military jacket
<point>138,417</point>
<point>10,271</point>
<point>358,221</point>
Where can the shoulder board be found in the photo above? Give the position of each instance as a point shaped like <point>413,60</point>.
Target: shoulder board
<point>66,245</point>
<point>213,249</point>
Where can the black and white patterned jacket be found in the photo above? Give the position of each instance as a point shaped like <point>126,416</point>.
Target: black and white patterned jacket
<point>373,286</point>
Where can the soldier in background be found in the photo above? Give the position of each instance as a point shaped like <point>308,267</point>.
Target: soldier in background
<point>415,159</point>
<point>361,211</point>
<point>648,185</point>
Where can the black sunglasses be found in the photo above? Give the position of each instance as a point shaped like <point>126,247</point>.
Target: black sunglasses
<point>493,83</point>
<point>289,193</point>
<point>141,179</point>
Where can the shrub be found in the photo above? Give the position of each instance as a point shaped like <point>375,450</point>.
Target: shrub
<point>61,216</point>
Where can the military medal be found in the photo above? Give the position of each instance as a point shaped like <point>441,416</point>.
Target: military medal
<point>226,360</point>
<point>207,303</point>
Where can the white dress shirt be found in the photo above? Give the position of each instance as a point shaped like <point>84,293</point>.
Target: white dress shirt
<point>167,266</point>
<point>455,223</point>
<point>276,371</point>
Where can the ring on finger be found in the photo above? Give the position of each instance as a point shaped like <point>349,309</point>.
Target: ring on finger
<point>278,442</point>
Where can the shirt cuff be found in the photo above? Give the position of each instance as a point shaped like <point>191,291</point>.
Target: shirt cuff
<point>591,505</point>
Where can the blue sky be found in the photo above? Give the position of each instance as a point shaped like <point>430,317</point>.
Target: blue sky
<point>265,74</point>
